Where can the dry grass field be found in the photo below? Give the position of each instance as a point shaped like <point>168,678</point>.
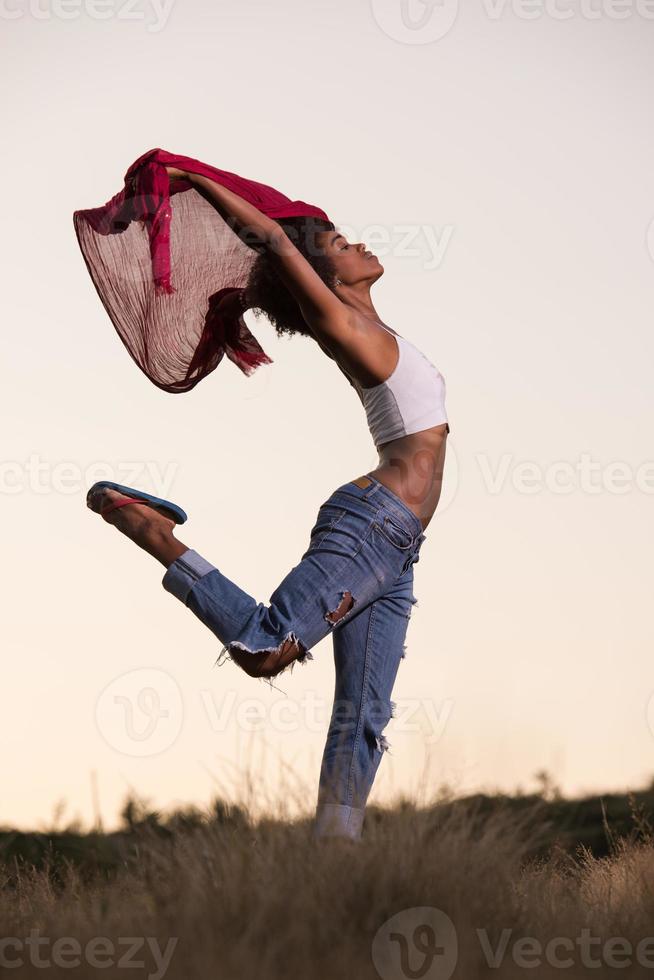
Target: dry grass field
<point>483,887</point>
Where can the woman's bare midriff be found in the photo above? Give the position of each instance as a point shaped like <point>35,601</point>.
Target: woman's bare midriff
<point>412,467</point>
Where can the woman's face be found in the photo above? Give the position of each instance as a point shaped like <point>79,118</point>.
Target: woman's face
<point>353,263</point>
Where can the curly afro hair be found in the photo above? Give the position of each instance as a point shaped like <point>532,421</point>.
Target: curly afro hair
<point>267,294</point>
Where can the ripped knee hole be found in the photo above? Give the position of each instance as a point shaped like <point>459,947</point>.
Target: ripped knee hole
<point>343,607</point>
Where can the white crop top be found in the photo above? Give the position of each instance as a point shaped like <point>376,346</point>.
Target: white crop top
<point>410,400</point>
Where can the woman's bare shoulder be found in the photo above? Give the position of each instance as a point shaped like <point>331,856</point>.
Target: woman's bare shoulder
<point>371,354</point>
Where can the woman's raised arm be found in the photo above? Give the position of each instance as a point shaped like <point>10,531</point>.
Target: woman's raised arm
<point>330,319</point>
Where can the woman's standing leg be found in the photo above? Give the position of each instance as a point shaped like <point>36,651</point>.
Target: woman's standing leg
<point>367,653</point>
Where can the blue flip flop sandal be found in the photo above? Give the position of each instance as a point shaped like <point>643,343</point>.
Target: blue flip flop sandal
<point>165,507</point>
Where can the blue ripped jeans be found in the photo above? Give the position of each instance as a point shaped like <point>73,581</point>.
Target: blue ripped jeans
<point>355,581</point>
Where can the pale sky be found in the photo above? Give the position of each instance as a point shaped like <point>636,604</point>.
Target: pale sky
<point>502,166</point>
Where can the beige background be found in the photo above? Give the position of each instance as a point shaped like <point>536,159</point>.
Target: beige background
<point>526,147</point>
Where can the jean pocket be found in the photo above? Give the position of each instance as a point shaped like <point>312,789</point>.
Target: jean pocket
<point>333,533</point>
<point>328,517</point>
<point>395,533</point>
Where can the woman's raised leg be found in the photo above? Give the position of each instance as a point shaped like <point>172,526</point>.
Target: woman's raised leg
<point>358,547</point>
<point>346,566</point>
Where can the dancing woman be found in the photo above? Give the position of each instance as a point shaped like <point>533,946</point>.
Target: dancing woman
<point>355,580</point>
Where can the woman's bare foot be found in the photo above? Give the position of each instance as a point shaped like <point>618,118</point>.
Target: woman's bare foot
<point>146,527</point>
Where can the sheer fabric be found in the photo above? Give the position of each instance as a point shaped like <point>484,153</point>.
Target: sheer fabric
<point>171,272</point>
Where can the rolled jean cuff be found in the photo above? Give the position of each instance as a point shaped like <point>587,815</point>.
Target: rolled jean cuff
<point>184,572</point>
<point>337,820</point>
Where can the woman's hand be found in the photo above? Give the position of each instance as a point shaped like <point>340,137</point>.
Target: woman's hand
<point>176,174</point>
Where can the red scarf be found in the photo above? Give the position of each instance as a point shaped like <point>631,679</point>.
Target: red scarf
<point>177,334</point>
